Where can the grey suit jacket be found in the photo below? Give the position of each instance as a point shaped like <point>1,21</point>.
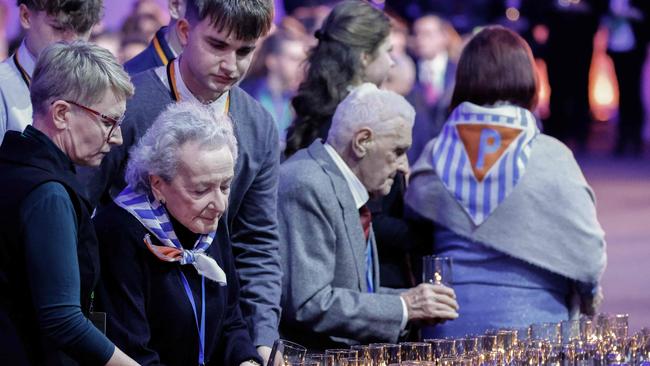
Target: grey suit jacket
<point>325,302</point>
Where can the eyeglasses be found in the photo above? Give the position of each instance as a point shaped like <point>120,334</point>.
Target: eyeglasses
<point>115,122</point>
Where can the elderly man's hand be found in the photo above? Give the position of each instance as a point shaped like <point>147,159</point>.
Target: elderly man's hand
<point>430,303</point>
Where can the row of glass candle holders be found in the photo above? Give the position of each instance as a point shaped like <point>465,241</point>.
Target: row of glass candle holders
<point>598,341</point>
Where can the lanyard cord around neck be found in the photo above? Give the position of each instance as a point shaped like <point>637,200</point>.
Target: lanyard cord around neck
<point>200,323</point>
<point>23,72</point>
<point>171,78</point>
<point>159,50</point>
<point>173,88</point>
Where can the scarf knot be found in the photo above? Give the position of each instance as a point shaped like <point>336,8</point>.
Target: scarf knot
<point>153,216</point>
<point>188,256</point>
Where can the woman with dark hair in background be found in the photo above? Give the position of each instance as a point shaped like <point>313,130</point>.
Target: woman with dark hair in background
<point>353,47</point>
<point>509,204</point>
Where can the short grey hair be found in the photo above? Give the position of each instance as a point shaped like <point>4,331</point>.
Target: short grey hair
<point>157,152</point>
<point>79,71</point>
<point>367,106</point>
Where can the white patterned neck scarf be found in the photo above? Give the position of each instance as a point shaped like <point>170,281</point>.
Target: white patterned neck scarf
<point>150,213</point>
<point>482,153</point>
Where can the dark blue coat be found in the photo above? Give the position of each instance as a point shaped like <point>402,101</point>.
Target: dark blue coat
<point>149,316</point>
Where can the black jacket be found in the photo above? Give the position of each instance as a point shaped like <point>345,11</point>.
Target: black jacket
<point>149,316</point>
<point>28,160</point>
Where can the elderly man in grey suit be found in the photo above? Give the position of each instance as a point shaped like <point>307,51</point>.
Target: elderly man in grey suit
<point>331,295</point>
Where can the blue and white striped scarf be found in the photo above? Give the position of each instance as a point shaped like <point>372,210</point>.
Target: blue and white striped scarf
<point>153,216</point>
<point>482,153</point>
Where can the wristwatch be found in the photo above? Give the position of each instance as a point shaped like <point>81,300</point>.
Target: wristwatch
<point>253,362</point>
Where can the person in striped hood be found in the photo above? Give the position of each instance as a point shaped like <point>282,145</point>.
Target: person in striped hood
<point>509,204</point>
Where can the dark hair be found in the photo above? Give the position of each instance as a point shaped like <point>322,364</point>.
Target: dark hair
<point>247,19</point>
<point>353,27</point>
<point>77,15</point>
<point>496,65</point>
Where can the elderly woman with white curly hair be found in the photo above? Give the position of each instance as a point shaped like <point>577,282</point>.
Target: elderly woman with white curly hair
<point>168,278</point>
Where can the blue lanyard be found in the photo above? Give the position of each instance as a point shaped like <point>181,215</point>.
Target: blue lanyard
<point>201,327</point>
<point>369,267</point>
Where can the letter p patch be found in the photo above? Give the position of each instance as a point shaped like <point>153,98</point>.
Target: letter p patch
<point>488,144</point>
<point>485,144</point>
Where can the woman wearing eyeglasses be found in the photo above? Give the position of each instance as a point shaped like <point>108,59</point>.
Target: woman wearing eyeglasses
<point>49,260</point>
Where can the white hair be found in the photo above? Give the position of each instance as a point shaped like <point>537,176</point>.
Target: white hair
<point>157,152</point>
<point>367,106</point>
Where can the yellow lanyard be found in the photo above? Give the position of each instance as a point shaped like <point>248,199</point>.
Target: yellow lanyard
<point>159,50</point>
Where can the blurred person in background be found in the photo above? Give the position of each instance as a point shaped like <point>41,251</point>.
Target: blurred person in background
<point>165,44</point>
<point>153,15</point>
<point>465,16</point>
<point>353,47</point>
<point>571,28</point>
<point>629,33</point>
<point>283,57</point>
<point>179,177</point>
<point>433,44</point>
<point>312,15</point>
<point>510,205</point>
<point>291,6</point>
<point>401,77</point>
<point>218,38</point>
<point>44,22</point>
<point>110,40</point>
<point>294,28</point>
<point>131,46</point>
<point>49,258</point>
<point>145,18</point>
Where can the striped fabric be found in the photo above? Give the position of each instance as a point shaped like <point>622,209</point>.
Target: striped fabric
<point>481,154</point>
<point>150,213</point>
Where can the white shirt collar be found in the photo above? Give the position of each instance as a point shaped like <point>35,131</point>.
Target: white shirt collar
<point>359,192</point>
<point>433,70</point>
<point>440,61</point>
<point>26,59</point>
<point>218,106</point>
